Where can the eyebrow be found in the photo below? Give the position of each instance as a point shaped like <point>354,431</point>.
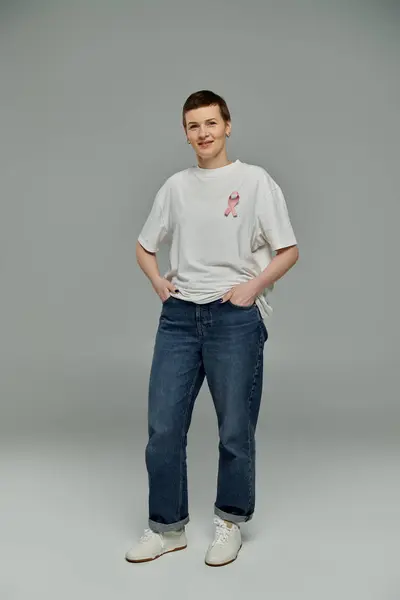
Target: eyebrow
<point>195,122</point>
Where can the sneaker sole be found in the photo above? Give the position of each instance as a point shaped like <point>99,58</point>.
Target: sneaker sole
<point>142,560</point>
<point>225,563</point>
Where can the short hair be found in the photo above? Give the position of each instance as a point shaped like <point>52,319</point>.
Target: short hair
<point>205,98</point>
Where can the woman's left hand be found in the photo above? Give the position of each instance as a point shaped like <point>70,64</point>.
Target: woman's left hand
<point>243,294</point>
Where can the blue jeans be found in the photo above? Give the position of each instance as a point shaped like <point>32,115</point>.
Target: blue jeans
<point>224,343</point>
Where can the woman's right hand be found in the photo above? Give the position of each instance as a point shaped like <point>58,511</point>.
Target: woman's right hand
<point>163,288</point>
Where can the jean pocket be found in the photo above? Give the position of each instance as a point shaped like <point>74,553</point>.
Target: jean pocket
<point>249,307</point>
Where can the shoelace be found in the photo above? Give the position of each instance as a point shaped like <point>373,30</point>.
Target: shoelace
<point>148,533</point>
<point>222,532</point>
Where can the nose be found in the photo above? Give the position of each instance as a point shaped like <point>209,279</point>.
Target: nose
<point>202,132</point>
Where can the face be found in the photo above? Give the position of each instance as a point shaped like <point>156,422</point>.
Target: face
<point>206,131</point>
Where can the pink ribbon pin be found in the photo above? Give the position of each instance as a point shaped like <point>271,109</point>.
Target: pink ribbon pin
<point>232,202</point>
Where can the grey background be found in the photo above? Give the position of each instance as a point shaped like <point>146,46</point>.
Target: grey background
<point>90,101</point>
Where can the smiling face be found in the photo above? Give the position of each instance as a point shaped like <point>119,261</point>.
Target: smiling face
<point>206,130</point>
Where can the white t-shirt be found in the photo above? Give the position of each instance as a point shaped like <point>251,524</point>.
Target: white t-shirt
<point>210,252</point>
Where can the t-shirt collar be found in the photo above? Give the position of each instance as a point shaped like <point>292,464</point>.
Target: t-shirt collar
<point>218,172</point>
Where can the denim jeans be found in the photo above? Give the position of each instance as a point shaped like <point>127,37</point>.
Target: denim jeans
<point>223,343</point>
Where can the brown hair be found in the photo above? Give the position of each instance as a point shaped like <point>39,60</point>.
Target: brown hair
<point>205,98</point>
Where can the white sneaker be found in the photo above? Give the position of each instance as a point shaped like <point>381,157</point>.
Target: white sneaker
<point>152,545</point>
<point>226,544</point>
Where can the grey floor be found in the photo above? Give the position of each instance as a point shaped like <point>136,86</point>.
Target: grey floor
<point>74,487</point>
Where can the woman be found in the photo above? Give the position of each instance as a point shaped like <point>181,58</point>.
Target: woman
<point>223,220</point>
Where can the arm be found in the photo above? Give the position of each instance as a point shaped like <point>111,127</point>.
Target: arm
<point>275,228</point>
<point>245,294</point>
<point>284,260</point>
<point>147,261</point>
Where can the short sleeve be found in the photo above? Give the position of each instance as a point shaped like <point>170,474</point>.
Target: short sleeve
<point>155,228</point>
<point>273,222</point>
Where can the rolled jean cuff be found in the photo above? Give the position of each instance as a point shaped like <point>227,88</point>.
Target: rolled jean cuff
<point>232,518</point>
<point>163,527</point>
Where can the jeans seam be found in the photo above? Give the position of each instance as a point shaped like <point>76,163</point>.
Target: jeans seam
<point>183,435</point>
<point>249,402</point>
<point>262,325</point>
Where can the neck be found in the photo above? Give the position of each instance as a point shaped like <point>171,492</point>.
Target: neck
<point>214,162</point>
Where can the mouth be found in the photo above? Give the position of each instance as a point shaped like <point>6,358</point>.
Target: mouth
<point>205,144</point>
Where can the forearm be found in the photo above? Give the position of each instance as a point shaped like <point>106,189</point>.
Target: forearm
<point>279,265</point>
<point>147,261</point>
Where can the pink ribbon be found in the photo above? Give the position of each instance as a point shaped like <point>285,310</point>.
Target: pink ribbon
<point>232,202</point>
